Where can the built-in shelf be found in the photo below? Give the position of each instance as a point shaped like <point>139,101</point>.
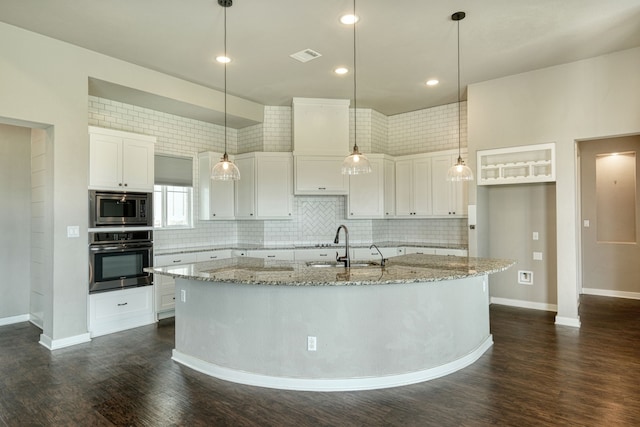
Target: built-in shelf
<point>517,165</point>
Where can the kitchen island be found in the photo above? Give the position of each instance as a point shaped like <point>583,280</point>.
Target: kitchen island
<point>323,327</point>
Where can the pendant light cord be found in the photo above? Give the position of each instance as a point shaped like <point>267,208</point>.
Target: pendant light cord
<point>459,107</point>
<point>355,84</point>
<point>225,83</point>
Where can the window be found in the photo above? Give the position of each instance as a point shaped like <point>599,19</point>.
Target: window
<point>172,206</point>
<point>173,192</point>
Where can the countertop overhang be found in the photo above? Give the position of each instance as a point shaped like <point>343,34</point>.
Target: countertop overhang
<point>401,269</point>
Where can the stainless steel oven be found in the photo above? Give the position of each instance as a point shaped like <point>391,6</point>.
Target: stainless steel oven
<point>117,259</point>
<point>116,209</point>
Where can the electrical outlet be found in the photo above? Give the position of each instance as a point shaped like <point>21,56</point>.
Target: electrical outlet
<point>535,235</point>
<point>183,295</point>
<point>312,343</point>
<point>73,231</point>
<point>525,277</point>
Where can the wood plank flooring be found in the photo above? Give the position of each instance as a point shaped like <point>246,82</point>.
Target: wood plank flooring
<point>536,374</point>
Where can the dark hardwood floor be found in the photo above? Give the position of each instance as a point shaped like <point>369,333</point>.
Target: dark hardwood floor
<point>536,374</point>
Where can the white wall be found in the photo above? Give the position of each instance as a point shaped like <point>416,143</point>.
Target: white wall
<point>592,98</point>
<point>15,220</point>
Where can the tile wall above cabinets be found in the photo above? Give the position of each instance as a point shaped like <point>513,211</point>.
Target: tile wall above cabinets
<point>315,218</point>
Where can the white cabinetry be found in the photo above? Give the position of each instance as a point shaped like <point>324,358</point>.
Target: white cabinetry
<point>216,197</point>
<point>517,165</point>
<point>316,254</point>
<point>413,186</point>
<point>449,198</point>
<point>320,126</point>
<point>119,310</point>
<point>165,285</point>
<point>213,255</point>
<point>265,188</point>
<point>366,254</point>
<point>320,175</point>
<point>366,191</point>
<point>120,160</point>
<point>320,144</point>
<point>272,254</point>
<point>389,188</point>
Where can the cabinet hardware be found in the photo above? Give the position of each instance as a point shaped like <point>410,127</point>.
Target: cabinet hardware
<point>121,304</point>
<point>177,260</point>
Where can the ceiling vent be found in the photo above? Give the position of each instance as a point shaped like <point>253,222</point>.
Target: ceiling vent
<point>306,55</point>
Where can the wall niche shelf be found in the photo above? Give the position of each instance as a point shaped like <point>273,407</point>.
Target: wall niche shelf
<point>517,165</point>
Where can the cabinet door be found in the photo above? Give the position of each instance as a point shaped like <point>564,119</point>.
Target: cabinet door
<point>274,193</point>
<point>449,198</point>
<point>441,188</point>
<point>137,165</point>
<point>389,188</point>
<point>245,189</point>
<point>422,187</point>
<point>366,193</point>
<point>320,175</point>
<point>217,198</point>
<point>404,188</point>
<point>105,161</point>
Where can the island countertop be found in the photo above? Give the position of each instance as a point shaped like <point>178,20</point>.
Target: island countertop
<point>401,269</point>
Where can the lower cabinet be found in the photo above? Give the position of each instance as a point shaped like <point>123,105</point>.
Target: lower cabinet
<point>366,254</point>
<point>320,254</point>
<point>272,254</point>
<point>119,310</point>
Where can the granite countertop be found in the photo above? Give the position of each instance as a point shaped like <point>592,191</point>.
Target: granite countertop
<point>261,246</point>
<point>397,270</point>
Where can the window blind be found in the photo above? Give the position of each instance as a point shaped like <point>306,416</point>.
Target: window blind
<point>171,170</point>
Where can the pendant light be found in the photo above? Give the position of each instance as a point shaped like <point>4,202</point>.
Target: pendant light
<point>225,169</point>
<point>459,171</point>
<point>356,163</point>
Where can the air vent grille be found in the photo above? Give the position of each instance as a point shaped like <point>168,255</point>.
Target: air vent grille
<point>306,55</point>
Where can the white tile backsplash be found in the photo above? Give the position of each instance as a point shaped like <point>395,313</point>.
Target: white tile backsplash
<point>316,218</point>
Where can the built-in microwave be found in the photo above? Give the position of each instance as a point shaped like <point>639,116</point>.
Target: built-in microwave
<point>113,209</point>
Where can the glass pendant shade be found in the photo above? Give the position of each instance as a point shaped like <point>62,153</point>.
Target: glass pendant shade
<point>459,172</point>
<point>225,170</point>
<point>356,163</point>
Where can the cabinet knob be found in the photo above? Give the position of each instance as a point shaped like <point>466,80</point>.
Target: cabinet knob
<point>213,214</point>
<point>289,213</point>
<point>351,213</point>
<point>125,184</point>
<point>120,184</point>
<point>250,214</point>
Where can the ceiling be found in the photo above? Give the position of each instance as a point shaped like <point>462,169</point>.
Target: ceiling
<point>400,44</point>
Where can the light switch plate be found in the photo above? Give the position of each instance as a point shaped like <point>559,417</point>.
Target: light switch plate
<point>73,231</point>
<point>537,256</point>
<point>535,235</point>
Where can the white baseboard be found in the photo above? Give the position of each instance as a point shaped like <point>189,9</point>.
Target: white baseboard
<point>568,321</point>
<point>524,304</point>
<point>14,319</point>
<point>337,384</point>
<point>610,293</point>
<point>47,342</point>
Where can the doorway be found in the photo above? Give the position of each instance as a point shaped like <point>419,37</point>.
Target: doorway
<point>610,215</point>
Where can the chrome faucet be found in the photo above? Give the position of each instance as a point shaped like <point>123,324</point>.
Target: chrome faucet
<point>346,258</point>
<point>382,261</point>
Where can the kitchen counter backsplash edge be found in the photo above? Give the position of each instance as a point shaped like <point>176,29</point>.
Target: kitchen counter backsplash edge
<point>258,246</point>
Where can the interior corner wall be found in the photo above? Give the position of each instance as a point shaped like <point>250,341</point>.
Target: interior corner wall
<point>15,220</point>
<point>592,98</point>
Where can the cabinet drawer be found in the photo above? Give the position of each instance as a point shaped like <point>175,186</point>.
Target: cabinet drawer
<point>418,250</point>
<point>372,254</point>
<point>117,305</point>
<point>213,255</point>
<point>326,254</point>
<point>173,259</point>
<point>279,255</point>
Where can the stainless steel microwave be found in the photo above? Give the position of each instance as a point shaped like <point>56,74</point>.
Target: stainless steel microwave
<point>113,209</point>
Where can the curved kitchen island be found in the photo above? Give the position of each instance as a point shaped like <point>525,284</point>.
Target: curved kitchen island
<point>249,320</point>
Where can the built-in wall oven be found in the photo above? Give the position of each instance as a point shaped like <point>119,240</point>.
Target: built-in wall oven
<point>117,259</point>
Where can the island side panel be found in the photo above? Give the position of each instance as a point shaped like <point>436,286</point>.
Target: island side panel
<point>361,331</point>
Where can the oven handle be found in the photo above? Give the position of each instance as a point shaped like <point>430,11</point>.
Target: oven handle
<point>101,248</point>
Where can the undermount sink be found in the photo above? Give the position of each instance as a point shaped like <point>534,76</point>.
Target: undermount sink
<point>328,264</point>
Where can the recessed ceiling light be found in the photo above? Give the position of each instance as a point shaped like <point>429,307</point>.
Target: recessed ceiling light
<point>341,70</point>
<point>349,19</point>
<point>223,59</point>
<point>432,82</point>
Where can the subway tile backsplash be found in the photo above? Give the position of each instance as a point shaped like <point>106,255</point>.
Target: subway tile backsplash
<point>315,218</point>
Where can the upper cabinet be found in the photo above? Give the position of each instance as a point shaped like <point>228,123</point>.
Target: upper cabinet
<point>320,175</point>
<point>320,126</point>
<point>217,198</point>
<point>120,160</point>
<point>320,144</point>
<point>413,186</point>
<point>265,189</point>
<point>369,195</point>
<point>517,165</point>
<point>449,198</point>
